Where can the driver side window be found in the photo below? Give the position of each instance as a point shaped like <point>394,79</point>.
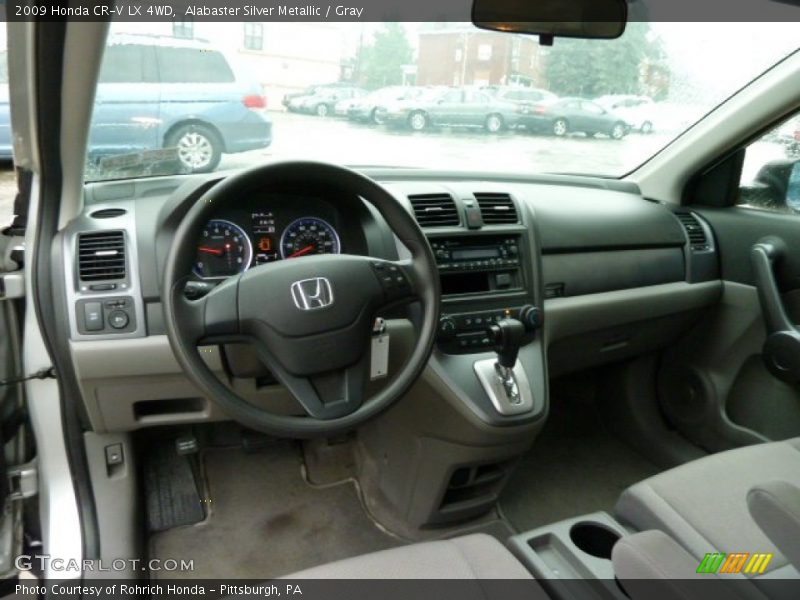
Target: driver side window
<point>771,172</point>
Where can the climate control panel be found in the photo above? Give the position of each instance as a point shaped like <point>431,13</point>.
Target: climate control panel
<point>464,333</point>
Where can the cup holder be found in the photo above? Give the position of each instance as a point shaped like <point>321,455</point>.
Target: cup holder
<point>593,538</point>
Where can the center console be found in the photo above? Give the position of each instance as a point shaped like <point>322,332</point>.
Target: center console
<point>483,398</point>
<point>484,279</point>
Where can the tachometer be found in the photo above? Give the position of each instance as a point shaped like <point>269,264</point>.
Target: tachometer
<point>309,235</point>
<point>222,250</point>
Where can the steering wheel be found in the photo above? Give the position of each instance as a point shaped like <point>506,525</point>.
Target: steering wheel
<point>310,319</point>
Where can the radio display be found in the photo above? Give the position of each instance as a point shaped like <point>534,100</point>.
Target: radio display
<point>475,253</point>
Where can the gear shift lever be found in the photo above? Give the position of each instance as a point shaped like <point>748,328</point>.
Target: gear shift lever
<point>504,381</point>
<point>507,336</point>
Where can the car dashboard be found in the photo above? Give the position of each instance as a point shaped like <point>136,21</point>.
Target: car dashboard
<point>606,274</point>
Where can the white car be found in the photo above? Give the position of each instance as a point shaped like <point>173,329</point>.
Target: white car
<point>636,110</point>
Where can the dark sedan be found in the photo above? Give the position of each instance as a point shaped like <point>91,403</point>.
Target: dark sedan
<point>452,108</point>
<point>571,115</point>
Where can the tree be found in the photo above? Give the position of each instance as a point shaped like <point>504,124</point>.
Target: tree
<point>591,68</point>
<point>381,63</point>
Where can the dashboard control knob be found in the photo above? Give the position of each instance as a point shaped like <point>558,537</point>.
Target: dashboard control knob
<point>447,327</point>
<point>531,317</point>
<point>118,319</point>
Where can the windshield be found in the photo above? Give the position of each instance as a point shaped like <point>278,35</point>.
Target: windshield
<point>184,97</point>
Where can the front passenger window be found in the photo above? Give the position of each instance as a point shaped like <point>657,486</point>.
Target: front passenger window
<point>771,172</point>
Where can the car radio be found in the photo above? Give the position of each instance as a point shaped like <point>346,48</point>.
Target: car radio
<point>476,254</point>
<point>478,264</point>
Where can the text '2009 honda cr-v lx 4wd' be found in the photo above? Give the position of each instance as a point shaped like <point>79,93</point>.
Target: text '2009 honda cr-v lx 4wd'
<point>469,341</point>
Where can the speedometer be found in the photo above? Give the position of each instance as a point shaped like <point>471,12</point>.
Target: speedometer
<point>309,235</point>
<point>222,250</point>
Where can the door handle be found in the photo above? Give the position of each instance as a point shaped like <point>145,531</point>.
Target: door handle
<point>781,351</point>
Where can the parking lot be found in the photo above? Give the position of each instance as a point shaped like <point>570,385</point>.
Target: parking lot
<point>333,139</point>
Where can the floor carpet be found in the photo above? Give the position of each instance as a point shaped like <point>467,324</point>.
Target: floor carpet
<point>575,467</point>
<point>265,520</point>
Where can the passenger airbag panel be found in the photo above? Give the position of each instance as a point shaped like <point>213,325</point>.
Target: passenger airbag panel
<point>575,274</point>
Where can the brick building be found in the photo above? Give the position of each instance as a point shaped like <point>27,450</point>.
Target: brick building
<point>461,55</point>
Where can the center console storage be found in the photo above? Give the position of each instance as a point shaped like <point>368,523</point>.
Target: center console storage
<point>576,549</point>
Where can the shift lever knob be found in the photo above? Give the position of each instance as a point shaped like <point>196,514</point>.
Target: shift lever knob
<point>507,336</point>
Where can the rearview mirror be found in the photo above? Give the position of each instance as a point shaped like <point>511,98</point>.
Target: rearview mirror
<point>592,19</point>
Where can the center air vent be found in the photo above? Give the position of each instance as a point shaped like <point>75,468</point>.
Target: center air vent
<point>497,209</point>
<point>101,255</point>
<point>698,240</point>
<point>434,210</point>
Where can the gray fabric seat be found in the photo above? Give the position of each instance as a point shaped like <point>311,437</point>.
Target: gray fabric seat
<point>775,506</point>
<point>703,504</point>
<point>476,556</point>
<point>650,564</point>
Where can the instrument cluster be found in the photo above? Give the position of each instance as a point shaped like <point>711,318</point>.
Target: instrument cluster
<point>240,239</point>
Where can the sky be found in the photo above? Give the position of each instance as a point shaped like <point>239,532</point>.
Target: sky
<point>718,56</point>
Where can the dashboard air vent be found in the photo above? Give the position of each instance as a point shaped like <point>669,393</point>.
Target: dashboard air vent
<point>108,213</point>
<point>694,230</point>
<point>497,209</point>
<point>434,210</point>
<point>101,255</point>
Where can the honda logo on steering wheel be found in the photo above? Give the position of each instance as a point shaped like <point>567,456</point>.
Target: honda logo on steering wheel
<point>309,294</point>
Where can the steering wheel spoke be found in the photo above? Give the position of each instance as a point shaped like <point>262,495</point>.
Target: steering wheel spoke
<point>211,318</point>
<point>323,396</point>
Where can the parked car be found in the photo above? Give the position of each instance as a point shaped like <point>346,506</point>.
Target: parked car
<point>455,107</point>
<point>674,118</point>
<point>570,115</point>
<point>309,91</point>
<point>323,102</point>
<point>636,110</point>
<point>365,109</point>
<point>522,95</point>
<point>172,93</point>
<point>341,108</point>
